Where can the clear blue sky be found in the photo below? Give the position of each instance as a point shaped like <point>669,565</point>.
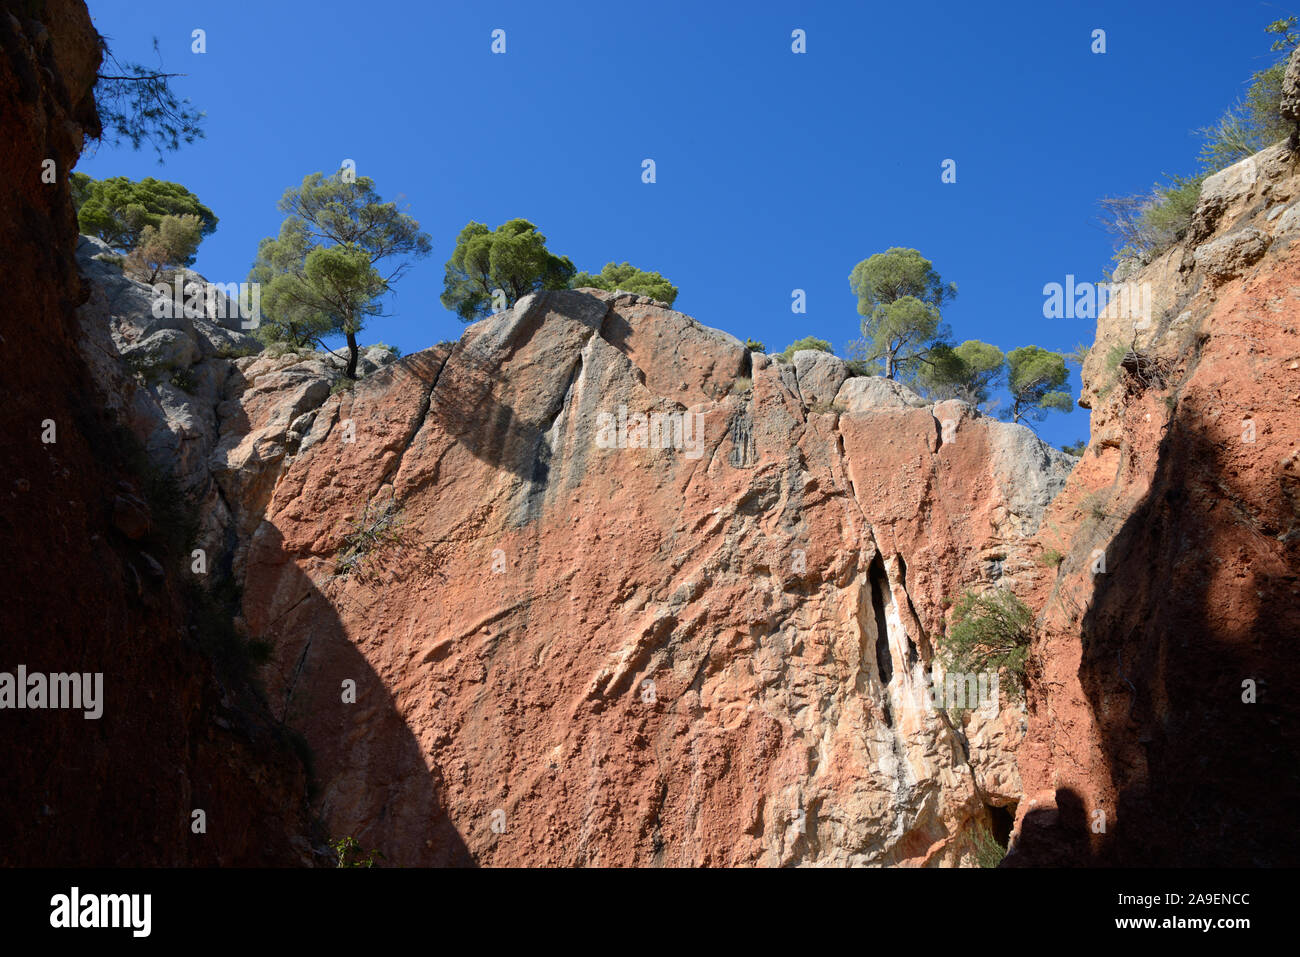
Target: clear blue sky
<point>776,171</point>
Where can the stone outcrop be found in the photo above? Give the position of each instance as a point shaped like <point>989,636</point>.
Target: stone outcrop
<point>1160,721</point>
<point>96,582</point>
<point>509,640</point>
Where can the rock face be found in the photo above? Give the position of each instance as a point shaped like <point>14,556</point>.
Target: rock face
<point>95,583</point>
<point>563,593</point>
<point>556,595</point>
<point>1161,726</point>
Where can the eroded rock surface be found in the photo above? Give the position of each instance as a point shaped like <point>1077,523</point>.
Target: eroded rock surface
<point>709,650</point>
<point>1160,727</point>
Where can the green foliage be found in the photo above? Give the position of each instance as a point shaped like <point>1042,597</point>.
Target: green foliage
<point>1094,504</point>
<point>397,353</point>
<point>183,379</point>
<point>137,105</point>
<point>989,632</point>
<point>168,246</point>
<point>899,297</point>
<point>988,852</point>
<point>1078,355</point>
<point>349,853</point>
<point>340,250</point>
<point>860,367</point>
<point>807,342</point>
<point>1255,121</point>
<point>742,385</point>
<point>511,258</point>
<point>1050,557</point>
<point>118,210</point>
<point>628,278</point>
<point>1034,378</point>
<point>968,372</point>
<point>1075,448</point>
<point>1147,224</point>
<point>753,345</point>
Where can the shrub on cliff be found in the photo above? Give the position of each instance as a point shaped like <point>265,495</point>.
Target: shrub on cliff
<point>628,278</point>
<point>492,269</point>
<point>338,253</point>
<point>117,210</point>
<point>989,632</point>
<point>1146,224</point>
<point>899,298</point>
<point>1254,122</point>
<point>168,246</point>
<point>1149,223</point>
<point>807,342</point>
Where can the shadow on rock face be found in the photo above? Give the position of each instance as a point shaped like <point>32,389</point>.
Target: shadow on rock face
<point>1198,611</point>
<point>372,781</point>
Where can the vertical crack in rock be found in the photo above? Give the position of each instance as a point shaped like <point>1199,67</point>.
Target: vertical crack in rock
<point>913,656</point>
<point>417,424</point>
<point>878,582</point>
<point>546,446</point>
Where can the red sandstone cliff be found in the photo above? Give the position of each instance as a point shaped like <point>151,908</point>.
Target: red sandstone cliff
<point>506,641</point>
<point>1139,719</point>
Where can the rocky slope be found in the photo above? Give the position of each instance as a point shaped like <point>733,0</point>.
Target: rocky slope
<point>96,583</point>
<point>1161,720</point>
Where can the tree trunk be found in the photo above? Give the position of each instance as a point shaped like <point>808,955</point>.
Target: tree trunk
<point>889,365</point>
<point>351,371</point>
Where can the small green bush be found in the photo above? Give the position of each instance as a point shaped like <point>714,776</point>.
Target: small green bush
<point>807,342</point>
<point>184,379</point>
<point>753,345</point>
<point>1094,505</point>
<point>1050,558</point>
<point>988,852</point>
<point>989,632</point>
<point>350,854</point>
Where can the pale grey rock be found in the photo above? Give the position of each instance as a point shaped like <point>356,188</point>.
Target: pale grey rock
<point>869,393</point>
<point>819,375</point>
<point>1290,104</point>
<point>1230,255</point>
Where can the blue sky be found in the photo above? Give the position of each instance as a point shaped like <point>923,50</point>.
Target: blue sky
<point>775,170</point>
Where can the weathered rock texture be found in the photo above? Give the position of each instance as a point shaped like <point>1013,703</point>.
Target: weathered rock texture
<point>93,586</point>
<point>1141,748</point>
<point>564,652</point>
